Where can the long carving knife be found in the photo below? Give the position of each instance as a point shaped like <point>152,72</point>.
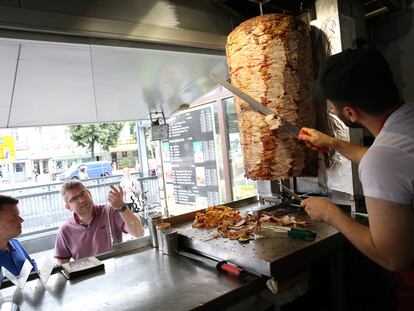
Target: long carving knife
<point>293,194</point>
<point>291,128</point>
<point>219,265</point>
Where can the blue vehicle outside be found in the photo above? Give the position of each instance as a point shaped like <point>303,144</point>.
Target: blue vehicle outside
<point>94,170</point>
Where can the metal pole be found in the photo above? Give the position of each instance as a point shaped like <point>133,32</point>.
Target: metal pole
<point>221,112</point>
<point>142,149</point>
<point>164,190</point>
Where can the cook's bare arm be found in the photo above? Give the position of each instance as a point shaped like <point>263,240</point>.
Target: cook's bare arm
<point>348,150</point>
<point>388,240</point>
<point>132,222</point>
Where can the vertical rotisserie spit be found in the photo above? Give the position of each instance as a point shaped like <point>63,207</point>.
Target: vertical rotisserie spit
<point>269,57</point>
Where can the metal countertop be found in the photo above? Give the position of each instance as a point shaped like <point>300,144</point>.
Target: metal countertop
<point>140,280</point>
<point>144,279</point>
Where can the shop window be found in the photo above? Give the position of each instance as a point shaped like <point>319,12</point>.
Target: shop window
<point>241,186</point>
<point>36,167</point>
<point>45,164</point>
<point>190,161</point>
<point>193,159</point>
<point>37,188</point>
<point>15,133</point>
<point>19,168</point>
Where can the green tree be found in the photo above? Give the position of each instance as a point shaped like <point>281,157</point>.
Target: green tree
<point>150,145</point>
<point>133,130</point>
<point>86,135</point>
<point>128,161</point>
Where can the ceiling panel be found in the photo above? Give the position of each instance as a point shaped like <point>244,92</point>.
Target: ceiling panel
<point>129,82</point>
<point>54,85</point>
<point>198,87</point>
<point>8,58</point>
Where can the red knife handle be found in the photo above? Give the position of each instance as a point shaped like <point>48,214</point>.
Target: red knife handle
<point>231,269</point>
<point>320,149</point>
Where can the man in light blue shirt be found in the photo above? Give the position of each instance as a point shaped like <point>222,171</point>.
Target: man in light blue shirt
<point>12,253</point>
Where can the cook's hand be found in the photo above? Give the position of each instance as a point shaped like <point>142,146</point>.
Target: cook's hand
<point>315,139</point>
<point>320,209</point>
<point>116,196</point>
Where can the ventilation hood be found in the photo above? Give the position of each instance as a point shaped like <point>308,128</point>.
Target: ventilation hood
<point>76,61</point>
<point>49,83</point>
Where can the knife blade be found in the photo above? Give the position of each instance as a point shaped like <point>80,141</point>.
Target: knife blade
<point>294,130</point>
<point>293,194</point>
<point>360,214</point>
<point>291,128</point>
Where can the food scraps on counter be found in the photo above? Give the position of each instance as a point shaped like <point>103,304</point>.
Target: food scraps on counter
<point>234,226</point>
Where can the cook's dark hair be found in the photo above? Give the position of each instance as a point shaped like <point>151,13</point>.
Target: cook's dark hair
<point>361,78</point>
<point>6,200</point>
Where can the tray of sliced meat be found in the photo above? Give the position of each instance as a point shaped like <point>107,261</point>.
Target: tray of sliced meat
<point>230,234</point>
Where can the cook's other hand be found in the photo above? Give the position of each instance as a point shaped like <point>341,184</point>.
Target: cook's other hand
<point>316,140</point>
<point>116,196</point>
<point>320,209</point>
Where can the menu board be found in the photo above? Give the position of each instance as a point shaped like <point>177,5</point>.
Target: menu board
<point>189,159</point>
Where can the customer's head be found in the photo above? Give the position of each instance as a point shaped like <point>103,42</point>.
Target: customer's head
<point>126,172</point>
<point>361,79</point>
<point>10,220</point>
<point>77,198</point>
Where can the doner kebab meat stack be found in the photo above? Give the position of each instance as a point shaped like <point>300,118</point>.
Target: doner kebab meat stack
<point>269,58</point>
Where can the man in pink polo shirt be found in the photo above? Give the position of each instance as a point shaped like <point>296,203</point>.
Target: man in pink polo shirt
<point>93,228</point>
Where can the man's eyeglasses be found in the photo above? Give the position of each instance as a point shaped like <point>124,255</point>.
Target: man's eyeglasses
<point>77,197</point>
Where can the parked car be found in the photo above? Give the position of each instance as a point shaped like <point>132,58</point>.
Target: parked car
<point>93,169</point>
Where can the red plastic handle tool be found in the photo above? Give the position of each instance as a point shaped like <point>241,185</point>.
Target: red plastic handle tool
<point>231,269</point>
<point>320,149</point>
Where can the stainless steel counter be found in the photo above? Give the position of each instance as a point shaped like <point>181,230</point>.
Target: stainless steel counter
<point>144,279</point>
<point>140,280</point>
